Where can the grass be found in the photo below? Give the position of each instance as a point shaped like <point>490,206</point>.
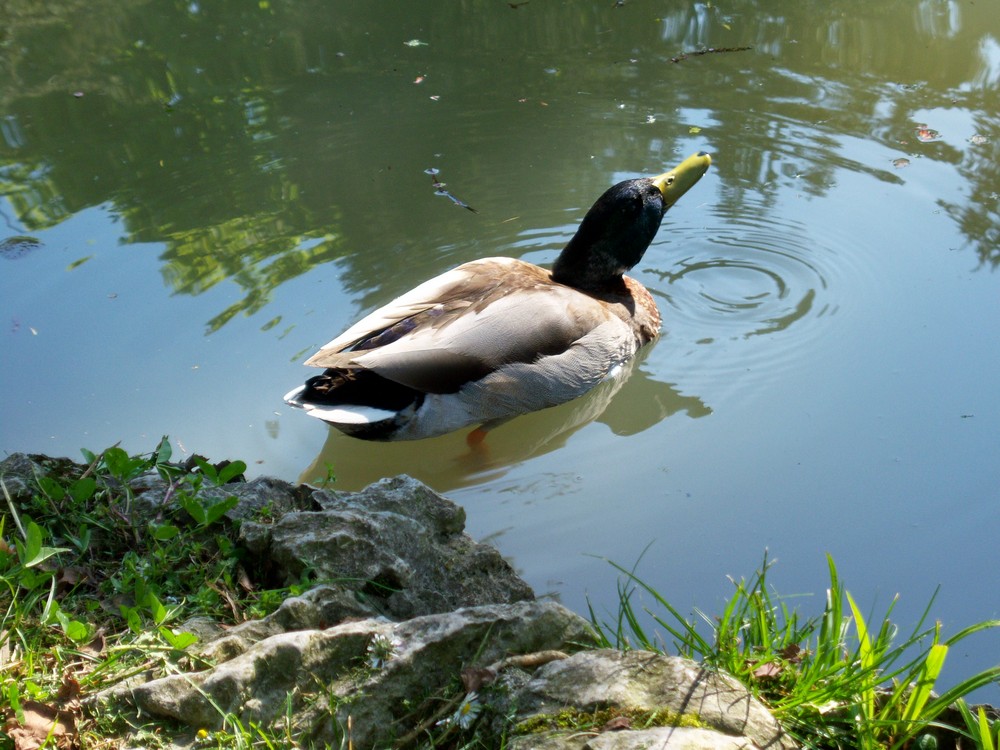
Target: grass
<point>94,582</point>
<point>97,580</point>
<point>835,680</point>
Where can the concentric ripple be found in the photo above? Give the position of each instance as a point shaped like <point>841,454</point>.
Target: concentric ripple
<point>754,293</point>
<point>753,282</point>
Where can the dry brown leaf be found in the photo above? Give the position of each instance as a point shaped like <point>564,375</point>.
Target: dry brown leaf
<point>767,671</point>
<point>69,692</point>
<point>96,646</point>
<point>71,575</point>
<point>474,678</point>
<point>243,579</point>
<point>792,652</point>
<point>617,724</point>
<point>42,722</point>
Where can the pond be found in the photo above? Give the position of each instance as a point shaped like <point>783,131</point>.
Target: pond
<point>195,196</point>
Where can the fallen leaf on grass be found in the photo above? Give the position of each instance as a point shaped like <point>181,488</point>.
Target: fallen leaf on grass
<point>42,724</point>
<point>767,671</point>
<point>617,724</point>
<point>473,678</point>
<point>793,653</point>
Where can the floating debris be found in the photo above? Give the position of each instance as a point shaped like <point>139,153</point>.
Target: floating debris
<point>415,43</point>
<point>979,140</point>
<point>439,189</point>
<point>901,162</point>
<point>926,134</point>
<point>709,51</point>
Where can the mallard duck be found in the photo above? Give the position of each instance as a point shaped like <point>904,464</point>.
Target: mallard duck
<point>498,337</point>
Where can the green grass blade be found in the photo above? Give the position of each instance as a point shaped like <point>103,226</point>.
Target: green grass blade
<point>865,655</point>
<point>933,664</point>
<point>985,736</point>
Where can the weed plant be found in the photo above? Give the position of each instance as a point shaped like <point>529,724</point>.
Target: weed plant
<point>836,680</point>
<point>95,580</point>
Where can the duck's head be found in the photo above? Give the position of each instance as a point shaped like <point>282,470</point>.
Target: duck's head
<point>619,227</point>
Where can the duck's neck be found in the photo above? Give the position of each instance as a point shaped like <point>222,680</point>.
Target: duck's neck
<point>587,270</point>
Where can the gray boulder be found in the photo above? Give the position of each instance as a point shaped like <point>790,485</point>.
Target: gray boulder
<point>398,545</point>
<point>698,707</point>
<point>368,670</point>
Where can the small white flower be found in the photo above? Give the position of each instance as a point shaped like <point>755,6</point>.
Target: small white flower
<point>381,649</point>
<point>467,711</point>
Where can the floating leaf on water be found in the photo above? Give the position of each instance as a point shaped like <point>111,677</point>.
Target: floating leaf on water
<point>415,43</point>
<point>435,98</point>
<point>901,162</point>
<point>419,79</point>
<point>432,170</point>
<point>979,140</point>
<point>650,119</point>
<point>926,134</point>
<point>694,130</point>
<point>78,262</point>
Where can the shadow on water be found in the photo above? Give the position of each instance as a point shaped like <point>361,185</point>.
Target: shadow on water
<point>627,404</point>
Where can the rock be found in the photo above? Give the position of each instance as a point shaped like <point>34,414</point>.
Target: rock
<point>398,544</point>
<point>20,472</point>
<point>344,676</point>
<point>318,608</point>
<point>336,665</point>
<point>711,708</point>
<point>408,618</point>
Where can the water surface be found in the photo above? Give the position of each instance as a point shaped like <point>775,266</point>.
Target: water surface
<point>196,196</point>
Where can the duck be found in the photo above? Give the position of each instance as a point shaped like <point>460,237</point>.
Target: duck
<point>498,337</point>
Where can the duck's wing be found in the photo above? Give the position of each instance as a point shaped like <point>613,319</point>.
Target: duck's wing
<point>464,325</point>
<point>442,289</point>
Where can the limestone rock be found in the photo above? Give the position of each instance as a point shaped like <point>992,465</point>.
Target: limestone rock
<point>317,608</point>
<point>335,665</point>
<point>398,544</point>
<point>657,738</point>
<point>713,702</point>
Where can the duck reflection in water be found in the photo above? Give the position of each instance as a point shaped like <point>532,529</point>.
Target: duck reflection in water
<point>627,404</point>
